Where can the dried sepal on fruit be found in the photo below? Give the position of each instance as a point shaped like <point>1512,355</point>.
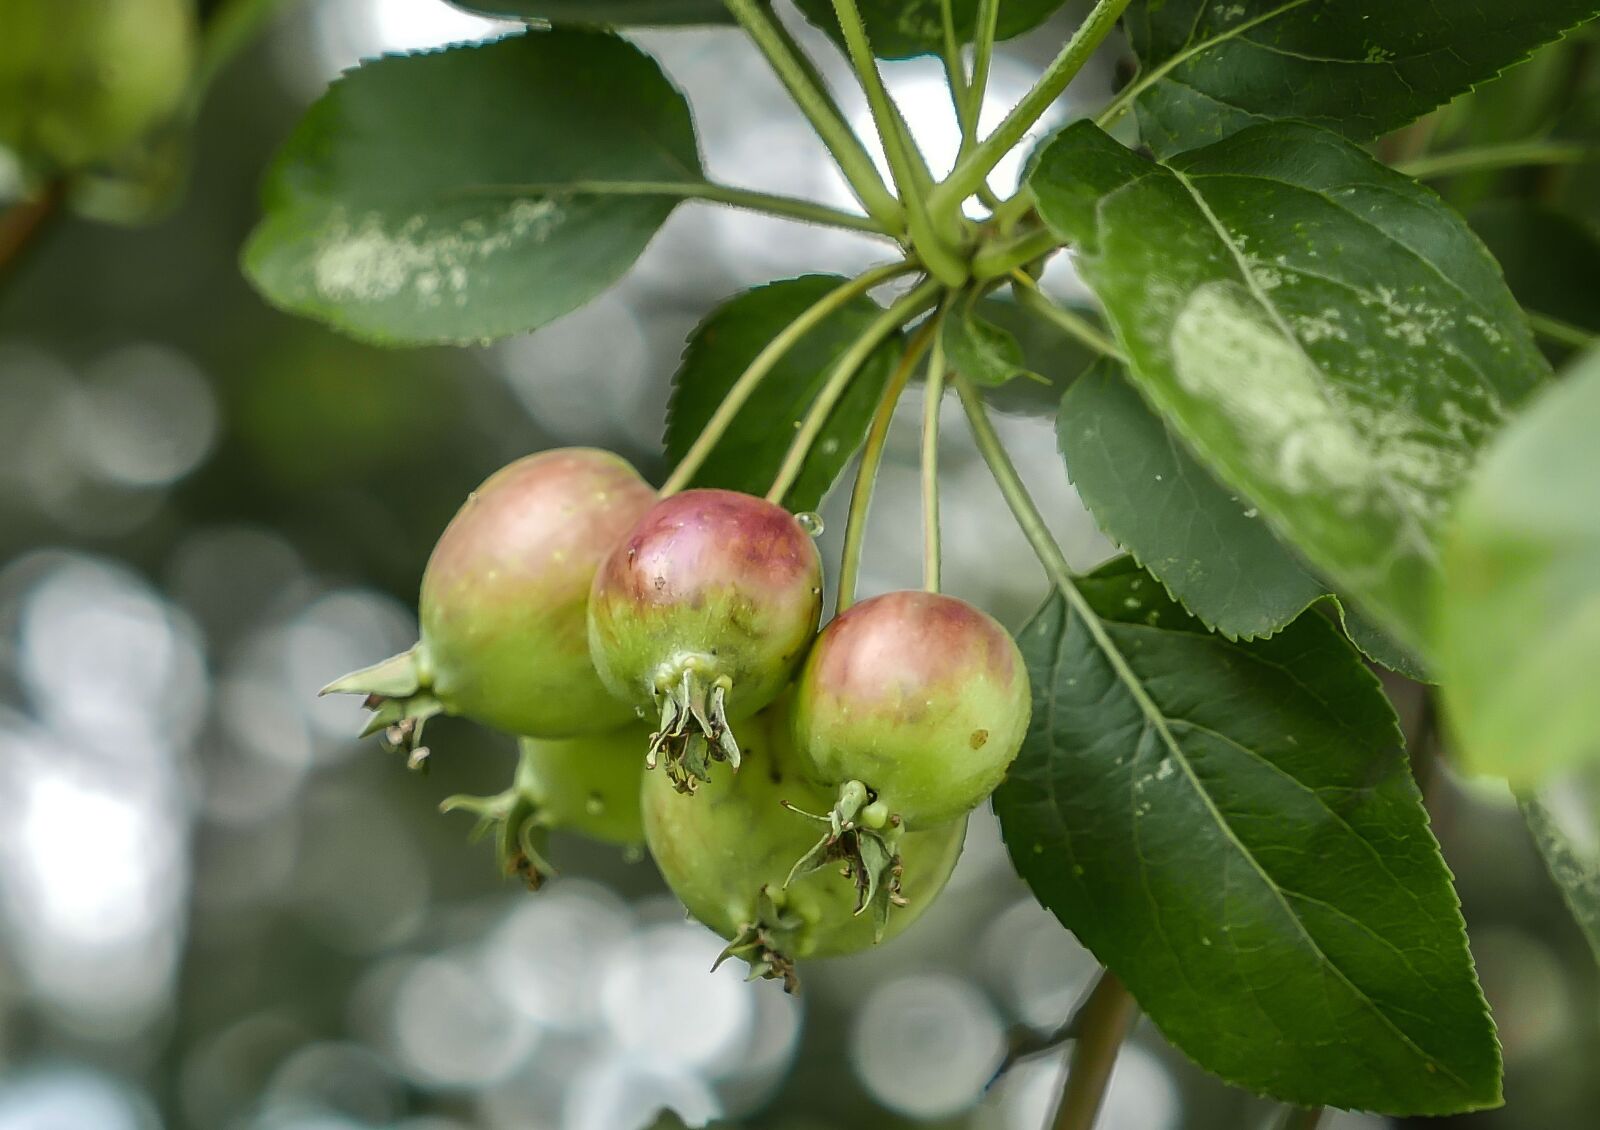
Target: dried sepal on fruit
<point>700,616</point>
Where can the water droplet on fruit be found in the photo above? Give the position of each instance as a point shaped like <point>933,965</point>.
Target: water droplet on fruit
<point>810,522</point>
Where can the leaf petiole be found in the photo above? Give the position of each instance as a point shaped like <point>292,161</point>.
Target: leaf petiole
<point>805,86</point>
<point>1074,325</point>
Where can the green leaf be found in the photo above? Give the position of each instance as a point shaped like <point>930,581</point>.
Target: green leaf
<point>1207,545</point>
<point>382,213</point>
<point>602,13</point>
<point>900,29</point>
<point>749,454</point>
<point>1358,67</point>
<point>1328,337</point>
<point>1518,642</point>
<point>1551,260</point>
<point>979,350</point>
<point>1564,819</point>
<point>1232,828</point>
<point>1047,352</point>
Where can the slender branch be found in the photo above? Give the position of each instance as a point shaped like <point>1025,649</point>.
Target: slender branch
<point>1508,156</point>
<point>1107,1018</point>
<point>232,27</point>
<point>800,78</point>
<point>906,165</point>
<point>973,169</point>
<point>25,221</point>
<point>897,315</point>
<point>1563,333</point>
<point>1005,255</point>
<point>1013,208</point>
<point>855,529</point>
<point>772,204</point>
<point>1301,1118</point>
<point>774,351</point>
<point>1073,324</point>
<point>932,399</point>
<point>982,54</point>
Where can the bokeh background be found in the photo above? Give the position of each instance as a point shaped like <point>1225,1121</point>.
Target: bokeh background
<point>220,911</point>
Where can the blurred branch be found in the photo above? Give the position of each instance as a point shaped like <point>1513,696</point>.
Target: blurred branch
<point>1499,157</point>
<point>24,222</point>
<point>1104,1022</point>
<point>233,27</point>
<point>1564,333</point>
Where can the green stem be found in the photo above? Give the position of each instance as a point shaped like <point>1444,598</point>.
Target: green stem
<point>855,528</point>
<point>1106,1019</point>
<point>1006,255</point>
<point>932,399</point>
<point>231,28</point>
<point>982,54</point>
<point>794,70</point>
<point>1301,1118</point>
<point>909,306</point>
<point>788,207</point>
<point>25,221</point>
<point>972,170</point>
<point>1073,324</point>
<point>774,351</point>
<point>1564,333</point>
<point>955,73</point>
<point>1013,208</point>
<point>1508,156</point>
<point>906,165</point>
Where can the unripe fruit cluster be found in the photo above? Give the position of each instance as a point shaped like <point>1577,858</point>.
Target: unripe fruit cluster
<point>566,601</point>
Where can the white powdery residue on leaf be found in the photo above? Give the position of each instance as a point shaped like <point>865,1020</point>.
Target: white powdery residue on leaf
<point>1226,351</point>
<point>373,259</point>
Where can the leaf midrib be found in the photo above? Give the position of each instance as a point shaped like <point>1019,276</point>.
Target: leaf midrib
<point>1157,719</point>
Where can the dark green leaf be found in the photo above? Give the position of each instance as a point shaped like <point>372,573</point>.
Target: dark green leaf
<point>1518,643</point>
<point>1046,352</point>
<point>1233,829</point>
<point>899,29</point>
<point>748,456</point>
<point>1358,67</point>
<point>1328,337</point>
<point>382,215</point>
<point>979,350</point>
<point>1565,821</point>
<point>602,13</point>
<point>1206,544</point>
<point>1551,260</point>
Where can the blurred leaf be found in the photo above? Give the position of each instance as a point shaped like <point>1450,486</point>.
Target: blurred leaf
<point>899,29</point>
<point>1233,829</point>
<point>1564,819</point>
<point>979,350</point>
<point>391,211</point>
<point>1358,67</point>
<point>1518,642</point>
<point>1046,352</point>
<point>1551,260</point>
<point>602,13</point>
<point>1345,394</point>
<point>721,348</point>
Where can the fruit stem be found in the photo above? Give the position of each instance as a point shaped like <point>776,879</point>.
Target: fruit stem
<point>24,222</point>
<point>1508,156</point>
<point>805,86</point>
<point>855,529</point>
<point>1107,1018</point>
<point>982,52</point>
<point>932,400</point>
<point>232,27</point>
<point>775,350</point>
<point>974,168</point>
<point>909,306</point>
